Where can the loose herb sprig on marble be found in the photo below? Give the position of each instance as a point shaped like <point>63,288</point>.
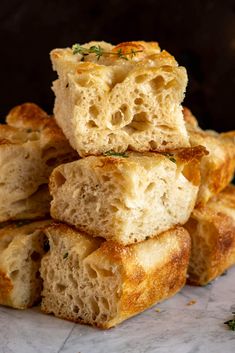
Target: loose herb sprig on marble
<point>99,51</point>
<point>231,323</point>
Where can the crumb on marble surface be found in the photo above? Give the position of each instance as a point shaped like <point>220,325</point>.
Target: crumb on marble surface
<point>192,302</point>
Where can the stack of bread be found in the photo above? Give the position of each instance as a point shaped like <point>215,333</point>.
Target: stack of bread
<point>129,169</point>
<point>212,223</point>
<point>31,145</point>
<point>121,247</point>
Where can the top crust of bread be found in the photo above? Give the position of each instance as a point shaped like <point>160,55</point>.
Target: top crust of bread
<point>31,145</point>
<point>217,168</point>
<point>212,230</point>
<point>29,118</point>
<point>114,104</point>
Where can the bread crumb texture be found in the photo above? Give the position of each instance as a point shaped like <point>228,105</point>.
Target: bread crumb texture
<point>93,281</point>
<point>212,230</point>
<point>22,245</point>
<point>127,199</point>
<point>109,103</point>
<point>31,145</point>
<point>217,168</point>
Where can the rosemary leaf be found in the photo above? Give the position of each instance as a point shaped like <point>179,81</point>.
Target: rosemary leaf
<point>116,154</point>
<point>231,323</point>
<point>170,156</point>
<point>22,223</point>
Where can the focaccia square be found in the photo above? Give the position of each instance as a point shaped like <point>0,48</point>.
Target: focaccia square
<point>22,245</point>
<point>102,283</point>
<point>212,230</point>
<point>217,168</point>
<point>31,145</point>
<point>127,98</point>
<point>127,197</point>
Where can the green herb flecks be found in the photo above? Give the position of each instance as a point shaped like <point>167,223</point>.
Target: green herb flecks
<point>99,51</point>
<point>115,154</point>
<point>231,323</point>
<point>170,156</point>
<point>22,223</point>
<point>66,255</point>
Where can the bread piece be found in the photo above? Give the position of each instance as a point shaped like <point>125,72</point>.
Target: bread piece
<point>212,229</point>
<point>127,198</point>
<point>110,103</point>
<point>217,168</point>
<point>22,245</point>
<point>31,145</point>
<point>92,281</point>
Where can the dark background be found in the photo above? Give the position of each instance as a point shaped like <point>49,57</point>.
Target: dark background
<point>200,34</point>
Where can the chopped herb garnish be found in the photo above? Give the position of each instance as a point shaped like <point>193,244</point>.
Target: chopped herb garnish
<point>22,223</point>
<point>170,156</point>
<point>65,255</point>
<point>99,51</point>
<point>231,323</point>
<point>115,154</point>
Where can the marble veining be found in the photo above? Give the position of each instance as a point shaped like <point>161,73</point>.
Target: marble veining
<point>173,326</point>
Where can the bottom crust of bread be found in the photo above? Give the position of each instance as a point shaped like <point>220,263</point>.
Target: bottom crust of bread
<point>102,283</point>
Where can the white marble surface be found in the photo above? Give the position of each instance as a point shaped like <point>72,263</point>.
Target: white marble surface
<point>177,328</point>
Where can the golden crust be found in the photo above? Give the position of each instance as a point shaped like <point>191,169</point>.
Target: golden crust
<point>137,45</point>
<point>143,51</point>
<point>150,271</point>
<point>30,138</point>
<point>159,283</point>
<point>182,155</point>
<point>29,118</point>
<point>229,135</point>
<point>217,168</point>
<point>189,117</point>
<point>13,239</point>
<point>94,113</point>
<point>6,287</point>
<point>26,113</point>
<point>212,228</point>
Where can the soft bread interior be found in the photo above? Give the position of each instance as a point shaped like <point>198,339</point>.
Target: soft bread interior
<point>125,199</point>
<point>101,283</point>
<point>212,230</point>
<point>100,117</point>
<point>31,145</point>
<point>217,168</point>
<point>22,245</point>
